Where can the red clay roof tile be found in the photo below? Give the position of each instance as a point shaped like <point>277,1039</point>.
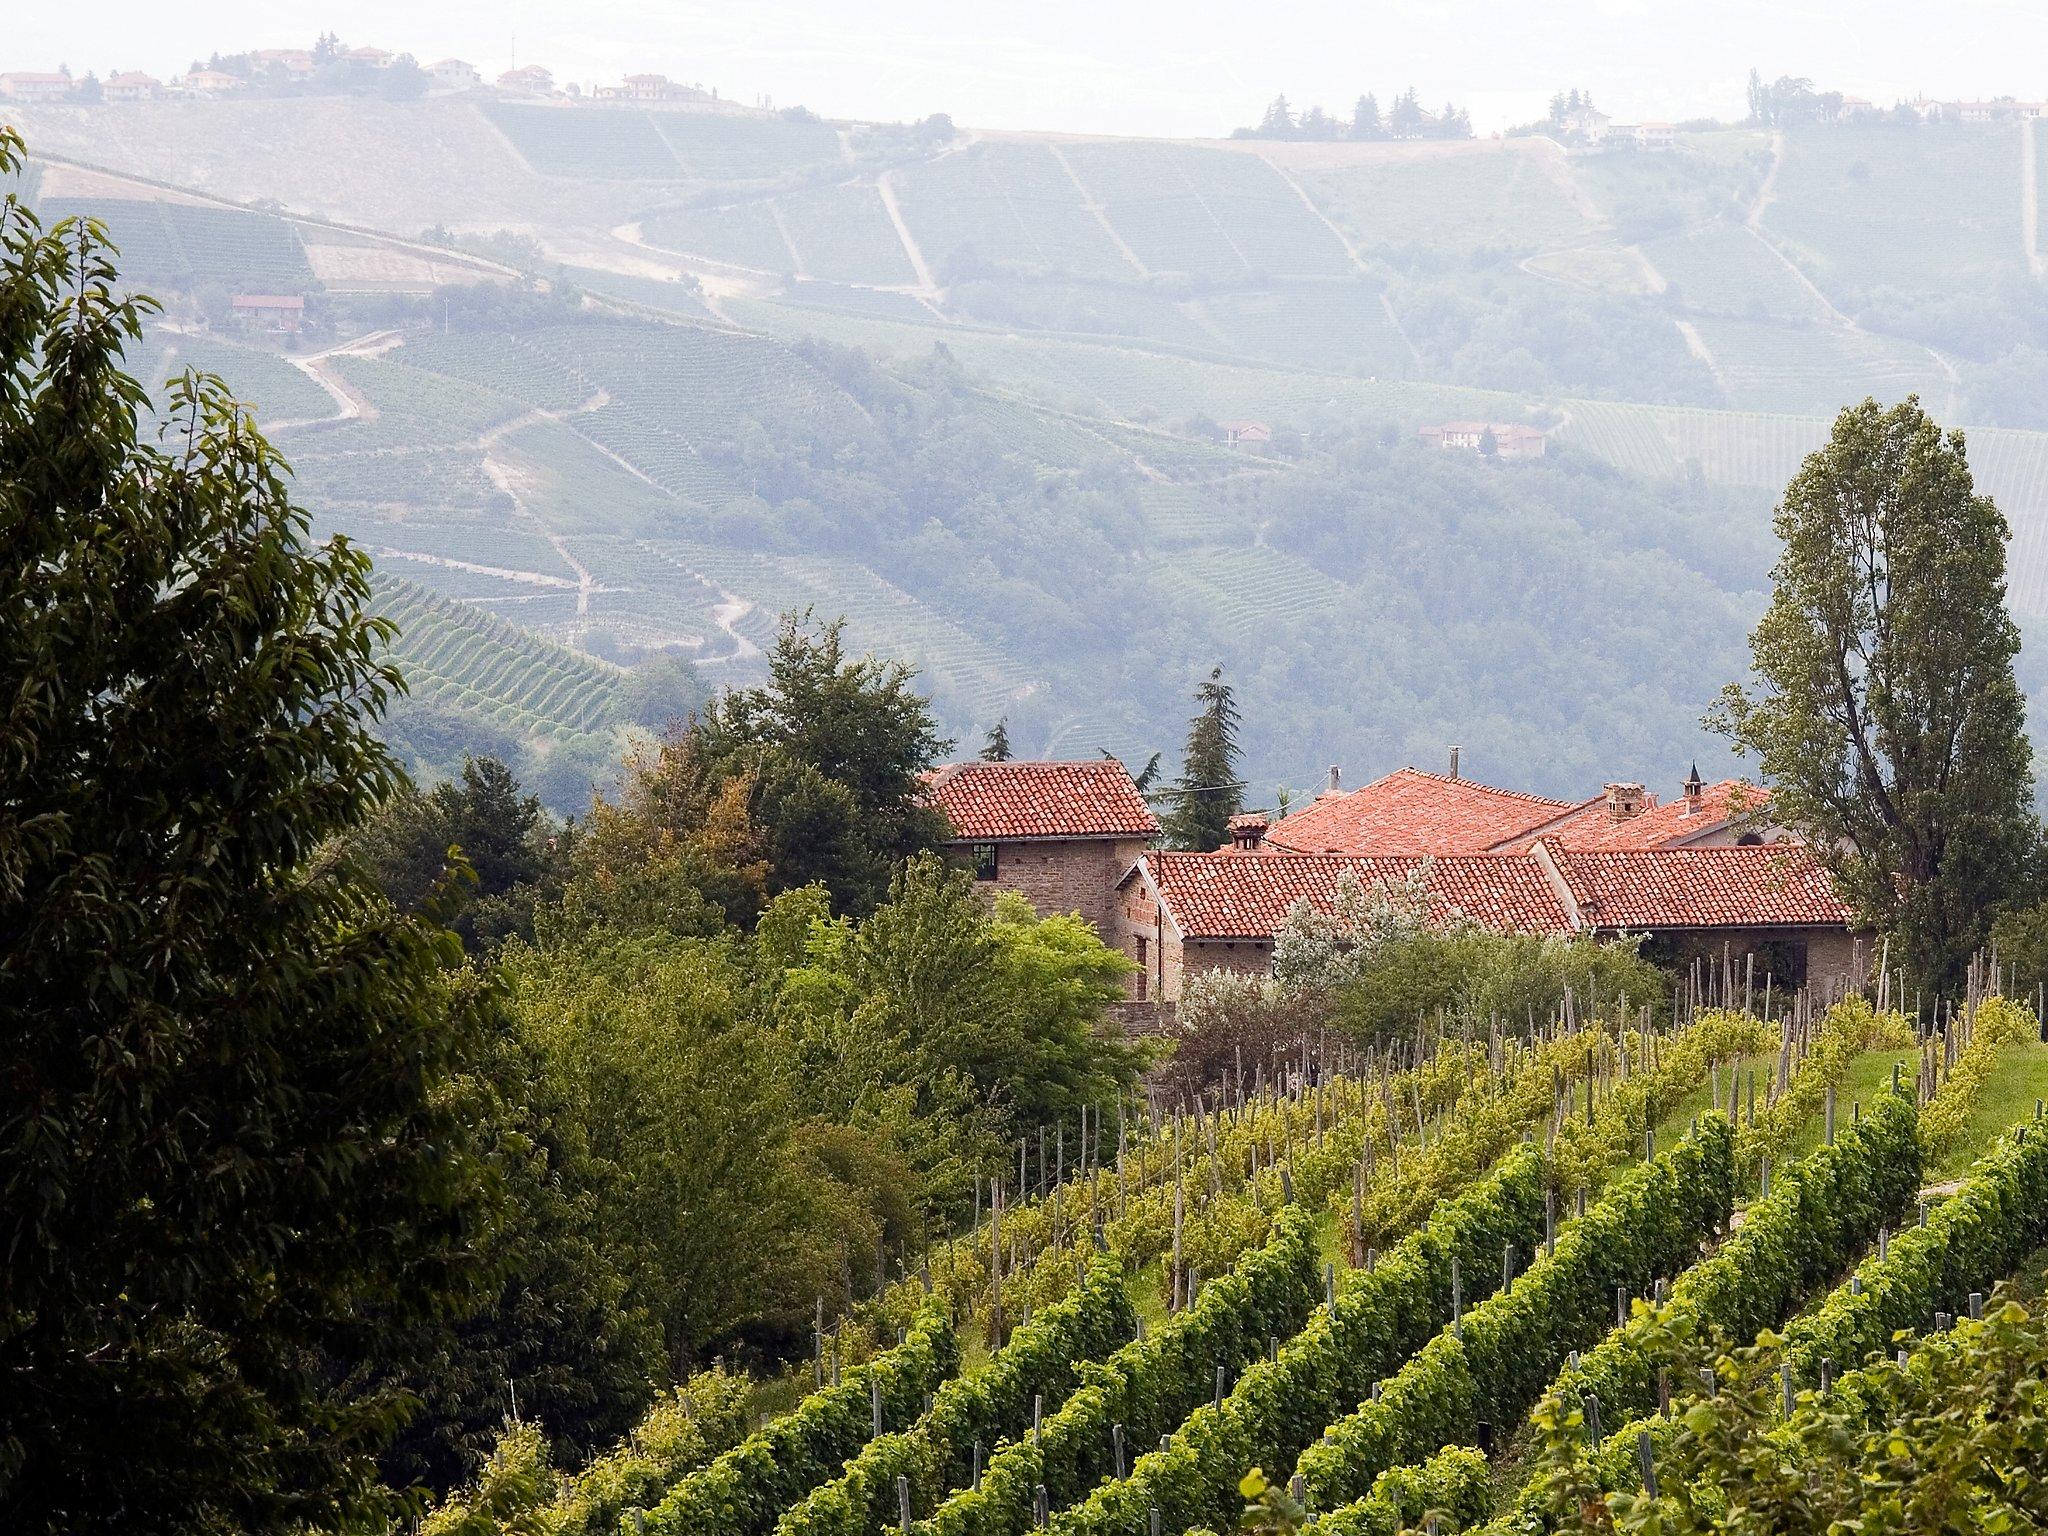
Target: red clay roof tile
<point>1411,812</point>
<point>1214,896</point>
<point>997,802</point>
<point>1763,886</point>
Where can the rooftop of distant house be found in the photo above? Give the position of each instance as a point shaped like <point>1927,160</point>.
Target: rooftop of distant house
<point>1410,812</point>
<point>1018,800</point>
<point>1211,898</point>
<point>1759,886</point>
<point>1544,891</point>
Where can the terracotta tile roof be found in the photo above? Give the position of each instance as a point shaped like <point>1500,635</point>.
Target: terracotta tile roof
<point>1662,826</point>
<point>1212,896</point>
<point>996,802</point>
<point>1410,812</point>
<point>1764,886</point>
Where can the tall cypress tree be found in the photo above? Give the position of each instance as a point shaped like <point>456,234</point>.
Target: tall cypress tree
<point>1887,720</point>
<point>997,748</point>
<point>1207,793</point>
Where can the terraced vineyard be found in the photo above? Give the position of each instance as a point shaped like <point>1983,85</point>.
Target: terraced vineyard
<point>843,234</point>
<point>1206,212</point>
<point>608,145</point>
<point>184,245</point>
<point>1369,1279</point>
<point>1013,205</point>
<point>1723,268</point>
<point>1455,199</point>
<point>1810,369</point>
<point>1242,589</point>
<point>718,146</point>
<point>1865,208</point>
<point>455,654</point>
<point>743,234</point>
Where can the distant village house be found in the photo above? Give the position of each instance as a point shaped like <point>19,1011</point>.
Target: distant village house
<point>454,75</point>
<point>207,82</point>
<point>527,80</point>
<point>131,85</point>
<point>1506,440</point>
<point>281,312</point>
<point>28,85</point>
<point>1236,432</point>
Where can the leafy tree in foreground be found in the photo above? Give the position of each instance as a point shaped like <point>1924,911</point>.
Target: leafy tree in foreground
<point>230,1130</point>
<point>1208,793</point>
<point>1888,723</point>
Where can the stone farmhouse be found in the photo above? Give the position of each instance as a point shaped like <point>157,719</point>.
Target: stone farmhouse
<point>1703,875</point>
<point>1060,833</point>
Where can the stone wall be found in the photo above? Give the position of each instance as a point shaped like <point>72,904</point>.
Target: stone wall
<point>1076,874</point>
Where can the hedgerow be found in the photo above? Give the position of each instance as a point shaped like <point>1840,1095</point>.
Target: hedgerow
<point>1850,1028</point>
<point>1146,1387</point>
<point>519,1491</point>
<point>1042,1360</point>
<point>744,1491</point>
<point>1456,1485</point>
<point>1652,1221</point>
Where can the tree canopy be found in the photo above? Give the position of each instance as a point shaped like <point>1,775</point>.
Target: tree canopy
<point>1886,717</point>
<point>230,1119</point>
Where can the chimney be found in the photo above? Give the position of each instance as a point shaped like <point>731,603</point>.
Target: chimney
<point>1336,780</point>
<point>1248,831</point>
<point>1624,801</point>
<point>1695,792</point>
<point>1454,760</point>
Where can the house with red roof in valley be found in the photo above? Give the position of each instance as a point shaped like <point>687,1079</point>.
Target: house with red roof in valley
<point>1059,833</point>
<point>1703,873</point>
<point>1183,913</point>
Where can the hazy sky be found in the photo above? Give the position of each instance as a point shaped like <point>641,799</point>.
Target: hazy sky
<point>1123,66</point>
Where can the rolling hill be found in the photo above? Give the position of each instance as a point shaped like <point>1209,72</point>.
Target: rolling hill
<point>635,381</point>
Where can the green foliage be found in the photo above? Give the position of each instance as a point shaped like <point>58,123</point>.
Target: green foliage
<point>1208,792</point>
<point>1277,1407</point>
<point>1996,1023</point>
<point>1043,1359</point>
<point>1970,1240</point>
<point>744,1491</point>
<point>1470,972</point>
<point>1948,1441</point>
<point>1889,726</point>
<point>963,1025</point>
<point>1147,1387</point>
<point>1653,1221</point>
<point>1850,1028</point>
<point>518,1494</point>
<point>231,1122</point>
<point>1822,1211</point>
<point>477,845</point>
<point>835,746</point>
<point>1455,1486</point>
<point>717,1201</point>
